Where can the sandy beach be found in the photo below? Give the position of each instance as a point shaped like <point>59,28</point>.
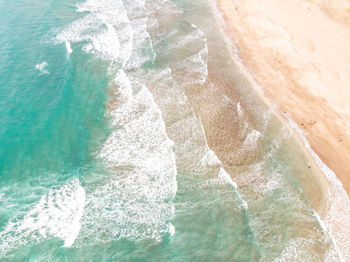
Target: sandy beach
<point>298,53</point>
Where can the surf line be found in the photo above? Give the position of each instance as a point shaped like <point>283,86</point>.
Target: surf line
<point>333,181</point>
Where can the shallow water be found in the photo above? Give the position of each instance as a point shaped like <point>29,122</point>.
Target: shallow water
<point>128,133</point>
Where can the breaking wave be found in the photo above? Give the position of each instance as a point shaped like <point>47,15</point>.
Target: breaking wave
<point>56,215</point>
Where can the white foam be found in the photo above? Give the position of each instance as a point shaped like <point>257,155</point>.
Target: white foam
<point>338,202</point>
<point>251,140</point>
<point>196,67</point>
<point>88,6</point>
<point>69,48</point>
<point>110,34</point>
<point>171,229</point>
<point>187,39</point>
<point>193,154</point>
<point>295,250</point>
<point>209,158</point>
<point>42,67</point>
<point>102,29</point>
<point>124,86</point>
<point>192,69</point>
<point>324,228</point>
<point>239,110</point>
<point>57,214</point>
<point>223,174</point>
<point>136,203</point>
<point>226,177</point>
<point>141,41</point>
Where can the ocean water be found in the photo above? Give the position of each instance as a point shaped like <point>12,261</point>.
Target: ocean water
<point>128,133</point>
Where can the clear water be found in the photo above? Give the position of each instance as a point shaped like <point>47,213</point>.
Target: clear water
<point>128,134</point>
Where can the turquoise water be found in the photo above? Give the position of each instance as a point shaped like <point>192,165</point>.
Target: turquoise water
<point>126,134</point>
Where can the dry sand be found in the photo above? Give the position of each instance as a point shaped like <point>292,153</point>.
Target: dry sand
<point>299,53</point>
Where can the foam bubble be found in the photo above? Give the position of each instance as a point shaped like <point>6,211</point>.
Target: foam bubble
<point>42,67</point>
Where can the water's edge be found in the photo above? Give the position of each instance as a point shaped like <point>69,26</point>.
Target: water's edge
<point>336,209</point>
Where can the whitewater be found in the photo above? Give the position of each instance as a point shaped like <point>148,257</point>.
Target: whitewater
<point>129,133</point>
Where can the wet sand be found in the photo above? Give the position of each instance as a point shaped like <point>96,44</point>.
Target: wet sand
<point>305,72</point>
<point>304,76</point>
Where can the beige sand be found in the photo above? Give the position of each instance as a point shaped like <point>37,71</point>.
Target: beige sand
<point>299,53</point>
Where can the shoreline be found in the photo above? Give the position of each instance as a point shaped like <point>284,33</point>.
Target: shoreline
<point>314,136</point>
<point>293,80</point>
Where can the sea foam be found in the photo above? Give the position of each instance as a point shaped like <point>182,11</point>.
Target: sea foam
<point>42,67</point>
<point>135,202</point>
<point>57,214</point>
